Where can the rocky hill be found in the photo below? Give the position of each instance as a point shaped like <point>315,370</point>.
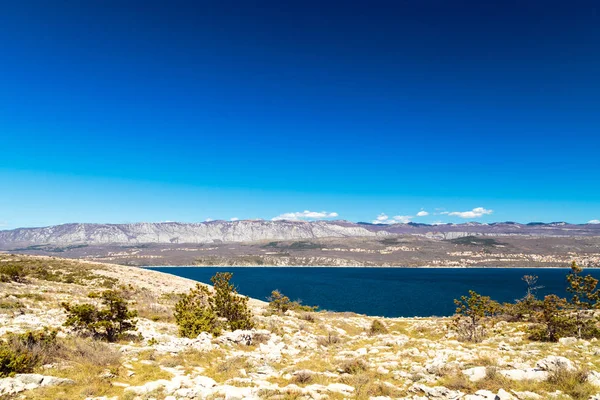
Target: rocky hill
<point>295,355</point>
<point>257,230</point>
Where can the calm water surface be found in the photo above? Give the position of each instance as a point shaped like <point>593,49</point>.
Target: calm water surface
<point>390,292</point>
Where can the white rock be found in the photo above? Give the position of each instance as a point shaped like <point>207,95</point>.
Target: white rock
<point>437,392</point>
<point>525,374</point>
<point>555,363</point>
<point>476,373</point>
<point>340,388</point>
<point>504,395</point>
<point>567,341</point>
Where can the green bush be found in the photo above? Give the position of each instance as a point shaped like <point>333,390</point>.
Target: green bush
<point>194,313</point>
<point>586,298</point>
<point>15,362</point>
<point>109,323</point>
<point>204,311</point>
<point>281,303</point>
<point>229,304</point>
<point>22,353</point>
<point>11,273</point>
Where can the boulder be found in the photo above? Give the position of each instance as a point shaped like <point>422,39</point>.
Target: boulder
<point>476,373</point>
<point>555,363</point>
<point>437,392</point>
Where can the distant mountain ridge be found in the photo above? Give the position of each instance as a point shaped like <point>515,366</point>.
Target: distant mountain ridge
<point>257,230</point>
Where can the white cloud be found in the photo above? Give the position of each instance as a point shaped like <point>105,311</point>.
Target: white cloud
<point>422,213</point>
<point>594,221</point>
<point>474,213</point>
<point>382,217</point>
<point>297,216</point>
<point>398,219</point>
<point>208,220</point>
<point>234,219</point>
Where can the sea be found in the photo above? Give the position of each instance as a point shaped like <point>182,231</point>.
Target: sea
<point>386,292</point>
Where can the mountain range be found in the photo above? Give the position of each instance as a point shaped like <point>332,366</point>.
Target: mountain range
<point>259,230</point>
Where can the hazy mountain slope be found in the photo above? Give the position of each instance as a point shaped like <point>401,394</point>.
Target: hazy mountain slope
<point>256,230</point>
<point>172,232</point>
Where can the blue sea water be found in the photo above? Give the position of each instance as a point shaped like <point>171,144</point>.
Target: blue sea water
<point>389,292</point>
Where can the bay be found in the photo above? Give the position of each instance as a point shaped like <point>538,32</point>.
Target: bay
<point>389,292</point>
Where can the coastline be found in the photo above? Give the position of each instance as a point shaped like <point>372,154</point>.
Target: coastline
<point>347,266</point>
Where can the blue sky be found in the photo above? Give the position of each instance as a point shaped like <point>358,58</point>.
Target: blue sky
<point>152,111</point>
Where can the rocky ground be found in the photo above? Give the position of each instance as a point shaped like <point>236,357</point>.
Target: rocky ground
<point>297,355</point>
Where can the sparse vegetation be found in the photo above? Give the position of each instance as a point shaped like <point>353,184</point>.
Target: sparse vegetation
<point>280,303</point>
<point>377,327</point>
<point>470,313</point>
<point>109,323</point>
<point>476,241</point>
<point>194,313</point>
<point>11,273</point>
<point>204,311</point>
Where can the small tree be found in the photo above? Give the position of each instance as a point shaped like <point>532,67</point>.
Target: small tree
<point>526,307</point>
<point>279,302</point>
<point>194,313</point>
<point>109,323</point>
<point>585,299</point>
<point>204,311</point>
<point>555,321</point>
<point>470,311</point>
<point>229,304</point>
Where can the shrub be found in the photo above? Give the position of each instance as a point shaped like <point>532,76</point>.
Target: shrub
<point>281,303</point>
<point>586,297</point>
<point>109,323</point>
<point>470,311</point>
<point>15,362</point>
<point>554,320</point>
<point>22,353</point>
<point>204,311</point>
<point>328,340</point>
<point>574,383</point>
<point>377,327</point>
<point>11,273</point>
<point>194,313</point>
<point>229,304</point>
<point>354,366</point>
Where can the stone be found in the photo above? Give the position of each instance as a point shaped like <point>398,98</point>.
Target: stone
<point>555,363</point>
<point>437,392</point>
<point>567,341</point>
<point>504,395</point>
<point>340,388</point>
<point>525,374</point>
<point>476,373</point>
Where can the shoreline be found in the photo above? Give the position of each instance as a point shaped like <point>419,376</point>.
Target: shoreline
<point>347,266</point>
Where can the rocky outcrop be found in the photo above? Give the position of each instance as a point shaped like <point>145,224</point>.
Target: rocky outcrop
<point>21,382</point>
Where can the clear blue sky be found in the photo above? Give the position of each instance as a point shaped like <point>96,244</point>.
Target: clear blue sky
<point>122,111</point>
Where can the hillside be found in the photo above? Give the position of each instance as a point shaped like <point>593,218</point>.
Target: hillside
<point>337,243</point>
<point>296,355</point>
<point>257,230</point>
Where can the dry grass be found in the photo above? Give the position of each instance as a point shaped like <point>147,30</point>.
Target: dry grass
<point>150,306</point>
<point>354,366</point>
<point>329,340</point>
